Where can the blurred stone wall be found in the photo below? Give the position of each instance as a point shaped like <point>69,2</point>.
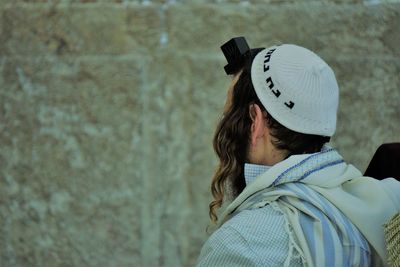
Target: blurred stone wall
<point>107,111</point>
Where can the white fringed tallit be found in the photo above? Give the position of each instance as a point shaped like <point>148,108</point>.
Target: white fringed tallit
<point>332,209</point>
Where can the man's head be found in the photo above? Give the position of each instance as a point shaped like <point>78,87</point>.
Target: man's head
<point>282,101</point>
<point>297,88</point>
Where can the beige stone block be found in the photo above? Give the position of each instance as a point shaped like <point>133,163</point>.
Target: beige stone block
<point>345,29</point>
<point>101,93</point>
<point>79,29</point>
<point>1,31</point>
<point>182,109</point>
<point>71,162</point>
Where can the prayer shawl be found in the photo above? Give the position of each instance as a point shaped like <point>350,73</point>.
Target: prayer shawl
<point>331,208</point>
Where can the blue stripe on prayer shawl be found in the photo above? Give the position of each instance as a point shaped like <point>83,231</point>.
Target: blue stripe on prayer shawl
<point>301,163</point>
<point>329,248</point>
<point>349,227</point>
<point>320,168</point>
<point>354,232</point>
<point>363,259</point>
<point>350,259</point>
<point>333,212</point>
<point>334,215</point>
<point>346,260</point>
<point>327,208</point>
<point>307,225</point>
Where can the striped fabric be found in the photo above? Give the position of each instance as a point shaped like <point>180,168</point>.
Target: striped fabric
<point>332,239</point>
<point>325,235</point>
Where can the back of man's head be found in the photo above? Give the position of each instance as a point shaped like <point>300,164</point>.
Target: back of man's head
<point>297,88</point>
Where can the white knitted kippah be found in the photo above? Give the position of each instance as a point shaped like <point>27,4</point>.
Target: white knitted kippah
<point>297,88</point>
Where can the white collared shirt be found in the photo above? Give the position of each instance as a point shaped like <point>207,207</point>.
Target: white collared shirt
<point>252,171</point>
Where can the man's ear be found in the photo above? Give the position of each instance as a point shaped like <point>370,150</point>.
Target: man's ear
<point>258,123</point>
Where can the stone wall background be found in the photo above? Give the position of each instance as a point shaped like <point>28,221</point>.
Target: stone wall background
<point>107,111</point>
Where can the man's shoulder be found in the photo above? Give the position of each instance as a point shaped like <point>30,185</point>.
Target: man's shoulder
<point>257,228</point>
<point>259,220</point>
<point>255,236</point>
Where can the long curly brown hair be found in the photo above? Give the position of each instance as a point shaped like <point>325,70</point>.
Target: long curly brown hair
<point>232,138</point>
<point>231,142</point>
